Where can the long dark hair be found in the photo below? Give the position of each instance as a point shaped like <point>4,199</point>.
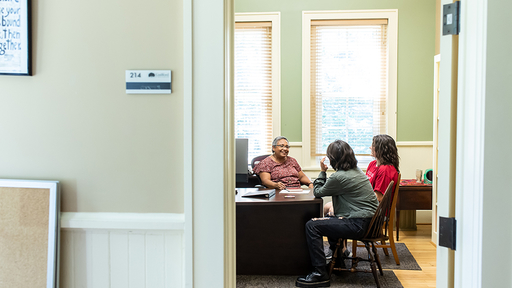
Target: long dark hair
<point>386,151</point>
<point>341,156</point>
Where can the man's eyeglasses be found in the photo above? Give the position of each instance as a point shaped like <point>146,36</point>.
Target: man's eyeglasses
<point>283,146</point>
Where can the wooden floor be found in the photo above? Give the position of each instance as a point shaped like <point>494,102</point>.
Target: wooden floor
<point>424,252</point>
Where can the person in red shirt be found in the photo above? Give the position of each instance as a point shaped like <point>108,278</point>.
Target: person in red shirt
<point>385,167</point>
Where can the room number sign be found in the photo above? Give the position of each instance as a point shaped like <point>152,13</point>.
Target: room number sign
<point>148,81</point>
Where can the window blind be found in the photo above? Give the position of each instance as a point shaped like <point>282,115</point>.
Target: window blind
<point>349,76</point>
<point>253,85</point>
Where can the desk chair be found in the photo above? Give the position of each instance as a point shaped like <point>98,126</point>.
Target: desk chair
<point>255,162</point>
<point>386,227</point>
<point>372,235</point>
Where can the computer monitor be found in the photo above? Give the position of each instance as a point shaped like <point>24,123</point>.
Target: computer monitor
<point>242,160</point>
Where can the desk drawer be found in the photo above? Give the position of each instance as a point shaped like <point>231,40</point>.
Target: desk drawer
<point>414,199</point>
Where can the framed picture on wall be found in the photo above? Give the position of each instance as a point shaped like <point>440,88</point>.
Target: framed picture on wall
<point>15,36</point>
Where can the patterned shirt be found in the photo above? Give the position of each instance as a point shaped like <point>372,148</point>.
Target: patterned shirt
<point>286,172</point>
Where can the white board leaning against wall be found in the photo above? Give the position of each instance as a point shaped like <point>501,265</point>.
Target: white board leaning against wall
<point>29,233</point>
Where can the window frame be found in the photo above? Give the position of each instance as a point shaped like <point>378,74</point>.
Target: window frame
<point>275,19</point>
<point>309,162</point>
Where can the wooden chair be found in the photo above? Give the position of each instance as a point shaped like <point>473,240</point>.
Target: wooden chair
<point>387,235</point>
<point>372,235</point>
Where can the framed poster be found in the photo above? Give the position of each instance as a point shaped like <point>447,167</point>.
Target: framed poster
<point>29,233</point>
<point>15,34</point>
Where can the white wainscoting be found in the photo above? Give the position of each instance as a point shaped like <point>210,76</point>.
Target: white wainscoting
<point>121,250</point>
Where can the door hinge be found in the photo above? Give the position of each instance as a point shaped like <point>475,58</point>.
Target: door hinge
<point>451,18</point>
<point>447,232</point>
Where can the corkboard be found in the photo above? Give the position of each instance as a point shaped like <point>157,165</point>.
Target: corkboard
<point>26,230</point>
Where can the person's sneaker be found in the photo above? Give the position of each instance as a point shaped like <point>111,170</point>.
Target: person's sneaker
<point>347,254</point>
<point>328,254</point>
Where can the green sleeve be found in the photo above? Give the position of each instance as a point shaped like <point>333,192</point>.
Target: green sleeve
<point>326,187</point>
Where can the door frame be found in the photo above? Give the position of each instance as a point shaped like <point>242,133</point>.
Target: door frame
<point>208,144</point>
<point>470,143</point>
<point>461,169</point>
<point>460,141</point>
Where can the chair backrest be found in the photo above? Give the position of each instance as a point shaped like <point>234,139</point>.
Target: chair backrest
<point>379,218</point>
<point>257,160</point>
<point>392,214</point>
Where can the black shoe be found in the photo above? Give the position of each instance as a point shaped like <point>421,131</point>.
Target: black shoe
<point>318,278</point>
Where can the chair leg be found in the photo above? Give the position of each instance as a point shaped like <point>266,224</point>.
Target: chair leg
<point>383,243</point>
<point>377,259</point>
<point>384,248</point>
<point>354,253</point>
<point>331,266</point>
<point>393,248</point>
<point>334,256</point>
<point>372,264</point>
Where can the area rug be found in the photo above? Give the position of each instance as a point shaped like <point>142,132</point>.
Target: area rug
<point>343,280</point>
<point>407,261</point>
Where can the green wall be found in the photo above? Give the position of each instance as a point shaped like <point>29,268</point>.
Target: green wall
<point>416,48</point>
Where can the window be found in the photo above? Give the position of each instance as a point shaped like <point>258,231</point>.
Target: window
<point>257,80</point>
<point>350,93</point>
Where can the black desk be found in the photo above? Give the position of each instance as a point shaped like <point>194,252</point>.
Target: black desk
<point>270,233</point>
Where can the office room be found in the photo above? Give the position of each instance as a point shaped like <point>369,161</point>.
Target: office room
<point>409,111</point>
<point>146,181</point>
<point>458,134</point>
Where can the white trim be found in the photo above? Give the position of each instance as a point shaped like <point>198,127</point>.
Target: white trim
<point>210,142</point>
<point>446,152</point>
<point>123,221</point>
<point>275,18</point>
<point>295,144</point>
<point>188,175</point>
<point>435,147</point>
<point>229,239</point>
<point>470,144</point>
<point>307,16</point>
<point>414,143</point>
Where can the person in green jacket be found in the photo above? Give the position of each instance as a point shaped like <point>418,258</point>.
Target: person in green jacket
<point>354,205</point>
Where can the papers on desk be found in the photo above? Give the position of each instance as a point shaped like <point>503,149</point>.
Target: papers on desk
<point>295,191</point>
